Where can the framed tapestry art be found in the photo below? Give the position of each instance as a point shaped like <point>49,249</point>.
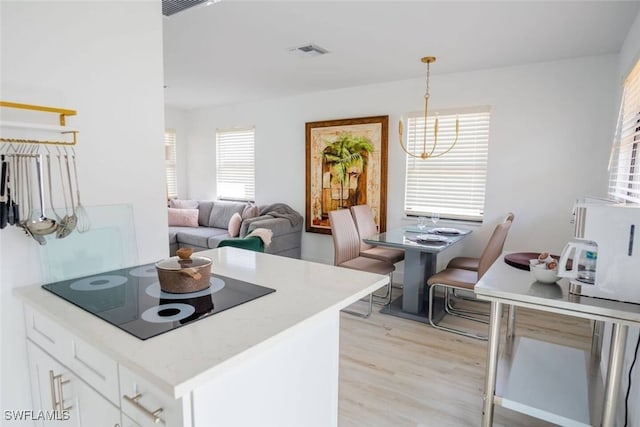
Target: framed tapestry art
<point>346,165</point>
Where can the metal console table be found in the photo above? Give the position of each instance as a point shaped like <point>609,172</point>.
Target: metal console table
<point>555,383</point>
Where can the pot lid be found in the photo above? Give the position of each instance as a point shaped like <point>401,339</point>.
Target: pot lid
<point>175,263</point>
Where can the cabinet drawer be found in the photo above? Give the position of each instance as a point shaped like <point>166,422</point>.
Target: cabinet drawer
<point>95,368</point>
<point>128,422</point>
<point>85,361</point>
<point>48,335</point>
<point>143,402</point>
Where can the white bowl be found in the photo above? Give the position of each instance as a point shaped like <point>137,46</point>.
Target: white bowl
<point>542,274</point>
<point>535,261</point>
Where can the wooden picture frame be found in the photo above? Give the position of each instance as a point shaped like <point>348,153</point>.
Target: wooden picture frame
<point>346,165</point>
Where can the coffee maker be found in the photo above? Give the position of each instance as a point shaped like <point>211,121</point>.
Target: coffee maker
<point>605,253</point>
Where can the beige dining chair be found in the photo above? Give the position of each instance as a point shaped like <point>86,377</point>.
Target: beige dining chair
<point>346,244</point>
<point>465,280</point>
<point>469,263</point>
<point>366,226</point>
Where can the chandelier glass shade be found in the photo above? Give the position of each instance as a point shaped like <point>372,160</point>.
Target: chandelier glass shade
<point>428,150</point>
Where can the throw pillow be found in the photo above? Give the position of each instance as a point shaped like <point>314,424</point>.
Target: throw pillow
<point>250,211</point>
<point>183,204</point>
<point>183,217</point>
<point>234,225</point>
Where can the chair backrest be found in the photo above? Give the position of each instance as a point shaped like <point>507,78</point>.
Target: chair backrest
<point>495,245</point>
<point>346,242</point>
<point>365,224</point>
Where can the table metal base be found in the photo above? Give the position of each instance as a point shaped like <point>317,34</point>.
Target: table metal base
<point>395,309</point>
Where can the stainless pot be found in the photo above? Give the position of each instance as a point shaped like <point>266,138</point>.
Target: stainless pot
<point>180,276</point>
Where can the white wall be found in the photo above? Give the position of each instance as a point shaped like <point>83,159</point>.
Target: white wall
<point>630,51</point>
<point>550,134</point>
<point>103,59</point>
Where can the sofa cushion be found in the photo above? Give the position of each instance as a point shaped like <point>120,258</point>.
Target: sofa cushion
<point>214,241</point>
<point>173,232</point>
<point>183,217</point>
<point>183,204</point>
<point>200,236</point>
<point>222,212</point>
<point>205,212</point>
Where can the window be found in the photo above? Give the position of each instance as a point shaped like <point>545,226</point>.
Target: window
<point>453,184</point>
<point>170,163</point>
<point>235,164</point>
<point>624,164</point>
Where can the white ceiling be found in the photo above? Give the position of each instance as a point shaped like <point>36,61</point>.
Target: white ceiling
<point>237,51</point>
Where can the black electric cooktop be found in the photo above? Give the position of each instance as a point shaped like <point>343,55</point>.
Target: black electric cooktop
<point>132,300</point>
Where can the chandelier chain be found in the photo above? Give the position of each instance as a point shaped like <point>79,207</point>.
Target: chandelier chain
<point>426,114</point>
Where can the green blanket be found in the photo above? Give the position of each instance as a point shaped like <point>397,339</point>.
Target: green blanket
<point>252,243</point>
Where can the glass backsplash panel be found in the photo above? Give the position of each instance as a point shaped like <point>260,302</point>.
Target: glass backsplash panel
<point>109,244</point>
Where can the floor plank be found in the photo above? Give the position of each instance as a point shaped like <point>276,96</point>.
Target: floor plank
<point>397,372</point>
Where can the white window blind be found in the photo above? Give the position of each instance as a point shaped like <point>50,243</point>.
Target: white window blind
<point>624,164</point>
<point>453,184</point>
<point>170,163</point>
<point>235,164</point>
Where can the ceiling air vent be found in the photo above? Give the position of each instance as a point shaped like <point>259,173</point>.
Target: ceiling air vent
<point>171,7</point>
<point>308,50</point>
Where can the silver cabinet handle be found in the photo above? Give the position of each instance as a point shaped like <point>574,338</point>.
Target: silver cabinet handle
<point>56,381</point>
<point>54,400</point>
<point>61,392</point>
<point>151,414</point>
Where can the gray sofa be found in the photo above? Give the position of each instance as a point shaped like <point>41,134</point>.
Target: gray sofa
<point>213,219</point>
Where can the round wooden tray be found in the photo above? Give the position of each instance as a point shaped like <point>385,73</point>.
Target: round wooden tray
<point>521,259</point>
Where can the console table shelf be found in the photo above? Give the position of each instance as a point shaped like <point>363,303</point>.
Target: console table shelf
<point>555,383</point>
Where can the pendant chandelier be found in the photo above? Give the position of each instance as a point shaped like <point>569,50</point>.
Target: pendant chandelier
<point>428,153</point>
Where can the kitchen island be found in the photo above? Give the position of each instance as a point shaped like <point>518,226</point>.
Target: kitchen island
<point>271,362</point>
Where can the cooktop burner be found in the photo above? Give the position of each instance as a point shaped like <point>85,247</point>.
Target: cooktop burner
<point>132,300</point>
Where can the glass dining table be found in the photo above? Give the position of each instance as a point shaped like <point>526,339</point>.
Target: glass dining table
<point>421,248</point>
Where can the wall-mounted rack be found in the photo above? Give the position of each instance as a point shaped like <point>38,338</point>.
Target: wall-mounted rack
<point>62,129</point>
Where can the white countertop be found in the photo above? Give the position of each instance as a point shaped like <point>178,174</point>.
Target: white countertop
<point>510,285</point>
<point>183,359</point>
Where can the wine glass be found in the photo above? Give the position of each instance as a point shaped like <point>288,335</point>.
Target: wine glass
<point>422,223</point>
<point>435,217</point>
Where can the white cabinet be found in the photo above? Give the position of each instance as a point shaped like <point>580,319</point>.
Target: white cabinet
<point>74,383</point>
<point>51,389</point>
<point>61,396</point>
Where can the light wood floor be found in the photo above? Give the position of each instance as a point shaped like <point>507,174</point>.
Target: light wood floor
<point>396,372</point>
